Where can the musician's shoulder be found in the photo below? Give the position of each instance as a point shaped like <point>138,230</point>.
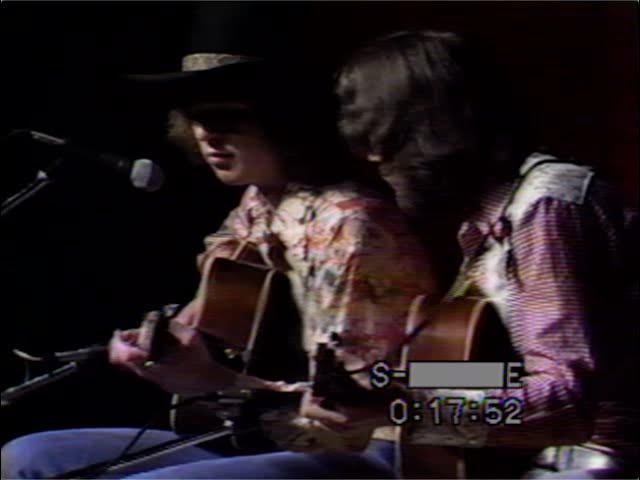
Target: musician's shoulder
<point>547,176</point>
<point>349,198</point>
<point>359,213</point>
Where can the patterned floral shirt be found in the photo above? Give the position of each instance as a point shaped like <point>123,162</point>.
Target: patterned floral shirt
<point>353,264</point>
<point>554,265</point>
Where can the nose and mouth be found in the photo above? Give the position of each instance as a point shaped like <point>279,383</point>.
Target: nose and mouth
<point>215,151</point>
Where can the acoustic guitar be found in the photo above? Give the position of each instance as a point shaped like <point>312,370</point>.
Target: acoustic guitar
<point>466,328</point>
<point>251,324</point>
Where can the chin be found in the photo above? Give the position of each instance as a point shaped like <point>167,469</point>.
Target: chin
<point>230,178</point>
<point>233,181</point>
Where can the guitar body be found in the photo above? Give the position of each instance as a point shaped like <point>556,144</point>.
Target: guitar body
<point>465,328</point>
<point>252,322</point>
<point>250,308</point>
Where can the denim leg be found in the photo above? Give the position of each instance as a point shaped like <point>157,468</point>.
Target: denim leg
<point>47,454</point>
<point>594,473</point>
<point>371,464</point>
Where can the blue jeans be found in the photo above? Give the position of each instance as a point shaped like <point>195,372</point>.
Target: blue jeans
<point>596,473</point>
<point>581,462</point>
<point>47,454</point>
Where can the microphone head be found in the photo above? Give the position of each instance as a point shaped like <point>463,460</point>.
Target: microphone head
<point>146,175</point>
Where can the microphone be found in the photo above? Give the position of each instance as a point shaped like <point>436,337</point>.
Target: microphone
<point>143,173</point>
<point>82,354</point>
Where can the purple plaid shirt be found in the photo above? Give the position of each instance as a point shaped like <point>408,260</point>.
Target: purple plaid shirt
<point>553,262</point>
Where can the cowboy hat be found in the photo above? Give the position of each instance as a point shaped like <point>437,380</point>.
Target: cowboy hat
<point>235,48</point>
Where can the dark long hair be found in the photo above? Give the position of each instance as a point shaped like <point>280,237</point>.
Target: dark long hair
<point>298,111</point>
<point>436,111</point>
<point>435,107</point>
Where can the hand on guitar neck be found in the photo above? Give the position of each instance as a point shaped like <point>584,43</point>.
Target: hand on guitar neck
<point>184,365</point>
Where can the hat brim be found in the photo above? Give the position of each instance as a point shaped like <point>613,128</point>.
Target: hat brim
<point>228,81</point>
<point>224,69</point>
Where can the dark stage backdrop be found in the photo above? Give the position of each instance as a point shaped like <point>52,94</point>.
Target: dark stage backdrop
<point>91,254</point>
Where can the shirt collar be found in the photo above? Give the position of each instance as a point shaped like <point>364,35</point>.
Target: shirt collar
<point>534,159</point>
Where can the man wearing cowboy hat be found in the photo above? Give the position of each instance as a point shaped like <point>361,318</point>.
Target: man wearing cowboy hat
<point>313,212</point>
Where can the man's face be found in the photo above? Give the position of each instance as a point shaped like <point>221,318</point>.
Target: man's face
<point>235,146</point>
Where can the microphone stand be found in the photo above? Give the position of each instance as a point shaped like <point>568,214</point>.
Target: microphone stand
<point>112,466</point>
<point>41,181</point>
<point>243,421</point>
<point>11,394</point>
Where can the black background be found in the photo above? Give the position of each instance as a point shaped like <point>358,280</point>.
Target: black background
<point>91,254</point>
